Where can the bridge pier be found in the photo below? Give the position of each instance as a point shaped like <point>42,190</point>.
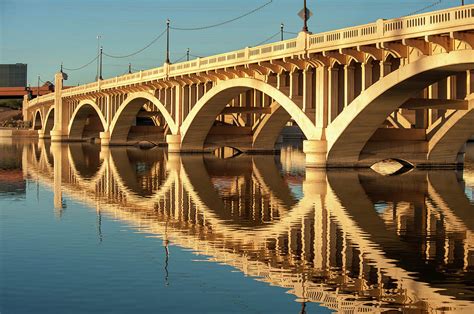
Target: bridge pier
<point>104,138</point>
<point>43,135</point>
<point>58,136</point>
<point>315,151</point>
<point>174,143</point>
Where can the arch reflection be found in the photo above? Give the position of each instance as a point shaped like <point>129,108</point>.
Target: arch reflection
<point>352,240</point>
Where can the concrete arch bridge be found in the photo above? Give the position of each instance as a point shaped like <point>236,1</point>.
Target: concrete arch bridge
<point>399,88</point>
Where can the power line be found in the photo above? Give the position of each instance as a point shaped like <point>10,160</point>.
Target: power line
<point>268,39</point>
<point>138,51</point>
<point>82,67</point>
<point>180,59</point>
<point>42,80</point>
<point>222,23</point>
<point>291,33</point>
<point>426,8</point>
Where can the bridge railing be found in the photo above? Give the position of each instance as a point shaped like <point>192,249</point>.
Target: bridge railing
<point>453,19</point>
<point>41,99</point>
<point>393,29</point>
<point>231,58</point>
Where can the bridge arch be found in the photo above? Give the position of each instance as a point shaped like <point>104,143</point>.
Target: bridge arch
<point>37,120</point>
<point>352,129</point>
<point>123,118</point>
<point>445,145</point>
<point>200,119</point>
<point>267,131</point>
<point>79,119</point>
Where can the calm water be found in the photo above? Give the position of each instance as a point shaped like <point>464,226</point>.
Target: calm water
<point>86,229</point>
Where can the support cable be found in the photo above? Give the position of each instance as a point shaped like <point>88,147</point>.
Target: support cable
<point>181,59</point>
<point>44,81</point>
<point>425,8</point>
<point>138,51</point>
<point>82,67</point>
<point>224,22</point>
<point>268,39</point>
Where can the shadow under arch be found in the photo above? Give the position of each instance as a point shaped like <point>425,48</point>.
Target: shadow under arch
<point>351,130</point>
<point>37,120</point>
<point>127,112</point>
<point>446,143</point>
<point>49,122</point>
<point>81,124</point>
<point>198,123</point>
<point>269,129</point>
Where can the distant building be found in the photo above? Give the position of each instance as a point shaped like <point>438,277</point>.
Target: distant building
<point>13,80</point>
<point>13,75</point>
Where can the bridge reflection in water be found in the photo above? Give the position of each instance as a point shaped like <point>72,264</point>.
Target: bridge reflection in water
<point>353,241</point>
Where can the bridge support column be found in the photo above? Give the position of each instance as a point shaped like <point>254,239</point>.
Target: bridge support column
<point>104,138</point>
<point>461,155</point>
<point>366,75</point>
<point>58,136</point>
<point>26,116</point>
<point>60,129</point>
<point>349,84</point>
<point>315,151</point>
<point>174,143</point>
<point>333,93</point>
<point>42,135</point>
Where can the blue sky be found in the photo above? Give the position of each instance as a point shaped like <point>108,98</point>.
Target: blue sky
<point>50,31</point>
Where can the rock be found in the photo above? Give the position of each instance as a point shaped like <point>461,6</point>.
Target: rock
<point>146,145</point>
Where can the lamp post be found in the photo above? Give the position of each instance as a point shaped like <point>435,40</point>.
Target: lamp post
<point>167,41</point>
<point>98,51</point>
<point>100,63</point>
<point>282,26</point>
<point>305,17</point>
<point>187,54</point>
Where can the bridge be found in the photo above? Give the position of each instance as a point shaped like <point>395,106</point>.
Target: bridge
<point>393,89</point>
<point>297,244</point>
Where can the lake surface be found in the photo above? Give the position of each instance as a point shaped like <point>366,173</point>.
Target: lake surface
<point>90,229</point>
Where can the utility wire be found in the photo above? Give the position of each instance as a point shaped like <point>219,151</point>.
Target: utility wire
<point>43,81</point>
<point>222,23</point>
<point>138,51</point>
<point>425,8</point>
<point>181,59</point>
<point>291,33</point>
<point>268,39</point>
<point>82,67</point>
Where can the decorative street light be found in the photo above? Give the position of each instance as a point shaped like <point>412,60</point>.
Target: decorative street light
<point>98,51</point>
<point>305,17</point>
<point>167,41</point>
